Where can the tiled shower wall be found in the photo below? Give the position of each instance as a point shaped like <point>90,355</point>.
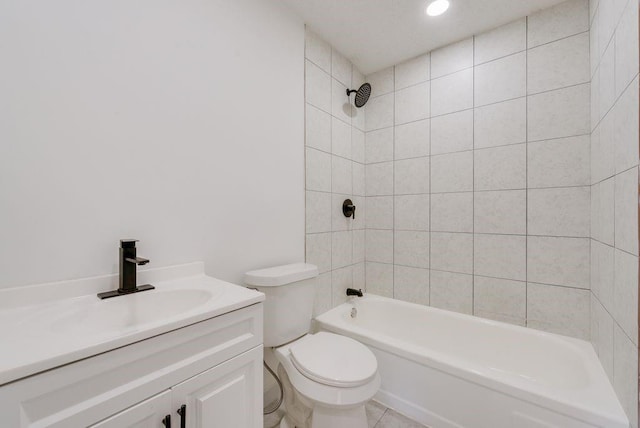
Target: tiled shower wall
<point>501,178</point>
<point>477,175</point>
<point>614,194</point>
<point>334,172</point>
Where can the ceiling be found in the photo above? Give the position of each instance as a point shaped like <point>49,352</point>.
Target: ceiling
<point>375,34</point>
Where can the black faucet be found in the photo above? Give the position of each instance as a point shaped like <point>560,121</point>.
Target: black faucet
<point>128,271</point>
<point>354,292</point>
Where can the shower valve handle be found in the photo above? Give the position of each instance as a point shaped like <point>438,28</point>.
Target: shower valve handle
<point>348,209</point>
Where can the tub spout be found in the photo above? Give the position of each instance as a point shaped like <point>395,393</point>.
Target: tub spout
<point>354,292</point>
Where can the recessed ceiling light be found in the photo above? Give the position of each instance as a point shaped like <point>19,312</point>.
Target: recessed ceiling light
<point>437,7</point>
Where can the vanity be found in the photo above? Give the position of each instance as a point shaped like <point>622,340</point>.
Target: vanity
<point>186,354</point>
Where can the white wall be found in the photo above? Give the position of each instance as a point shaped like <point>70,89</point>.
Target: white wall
<point>178,123</point>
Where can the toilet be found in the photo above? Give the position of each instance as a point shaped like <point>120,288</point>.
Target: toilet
<point>327,378</point>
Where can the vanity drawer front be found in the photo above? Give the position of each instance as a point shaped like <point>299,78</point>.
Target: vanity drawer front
<point>88,391</point>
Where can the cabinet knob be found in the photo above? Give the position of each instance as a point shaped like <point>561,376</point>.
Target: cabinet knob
<point>182,411</point>
<point>167,421</point>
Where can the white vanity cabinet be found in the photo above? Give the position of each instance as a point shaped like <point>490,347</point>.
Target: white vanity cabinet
<point>213,367</point>
<point>148,414</point>
<point>226,396</point>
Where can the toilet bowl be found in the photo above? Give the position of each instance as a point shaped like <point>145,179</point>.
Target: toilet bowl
<point>332,376</point>
<point>327,378</point>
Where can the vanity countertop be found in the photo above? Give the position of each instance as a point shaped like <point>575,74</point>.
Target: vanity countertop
<point>49,325</point>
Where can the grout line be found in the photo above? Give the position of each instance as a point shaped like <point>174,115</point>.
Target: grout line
<point>471,274</point>
<point>381,416</point>
<point>473,182</point>
<point>330,113</point>
<point>431,116</point>
<point>459,70</point>
<point>562,88</point>
<point>333,304</point>
<point>413,85</point>
<point>430,186</point>
<point>593,18</point>
<point>500,57</point>
<point>537,46</point>
<point>557,139</point>
<point>484,234</point>
<point>613,176</point>
<point>526,166</point>
<point>615,321</point>
<point>449,232</point>
<point>587,134</point>
<point>386,195</point>
<point>393,175</point>
<point>615,101</point>
<point>526,49</point>
<point>304,137</point>
<point>328,73</point>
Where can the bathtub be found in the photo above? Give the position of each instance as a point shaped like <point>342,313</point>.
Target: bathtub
<point>446,369</point>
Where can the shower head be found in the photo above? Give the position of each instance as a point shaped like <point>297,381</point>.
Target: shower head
<point>362,94</point>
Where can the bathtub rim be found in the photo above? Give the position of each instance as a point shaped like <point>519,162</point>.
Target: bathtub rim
<point>544,397</point>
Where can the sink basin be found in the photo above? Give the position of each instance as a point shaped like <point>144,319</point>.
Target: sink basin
<point>131,311</point>
<point>49,325</point>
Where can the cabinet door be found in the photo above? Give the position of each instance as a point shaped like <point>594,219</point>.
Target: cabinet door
<point>148,414</point>
<point>226,396</point>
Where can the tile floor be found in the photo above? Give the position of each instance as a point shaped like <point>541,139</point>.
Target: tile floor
<point>381,417</point>
<point>377,414</point>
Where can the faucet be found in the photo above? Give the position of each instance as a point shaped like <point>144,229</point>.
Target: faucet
<point>128,271</point>
<point>354,292</point>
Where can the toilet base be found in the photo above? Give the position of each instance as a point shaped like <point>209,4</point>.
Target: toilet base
<point>330,418</point>
<point>325,417</point>
<point>284,423</point>
<point>301,412</point>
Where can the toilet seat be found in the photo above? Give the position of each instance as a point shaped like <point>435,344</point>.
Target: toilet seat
<point>334,360</point>
<point>320,393</point>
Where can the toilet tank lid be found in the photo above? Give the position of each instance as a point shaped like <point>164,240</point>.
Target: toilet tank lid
<point>281,275</point>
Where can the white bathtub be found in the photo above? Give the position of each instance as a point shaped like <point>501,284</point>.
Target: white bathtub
<point>451,370</point>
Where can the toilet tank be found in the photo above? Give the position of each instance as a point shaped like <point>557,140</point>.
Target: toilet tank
<point>288,307</point>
